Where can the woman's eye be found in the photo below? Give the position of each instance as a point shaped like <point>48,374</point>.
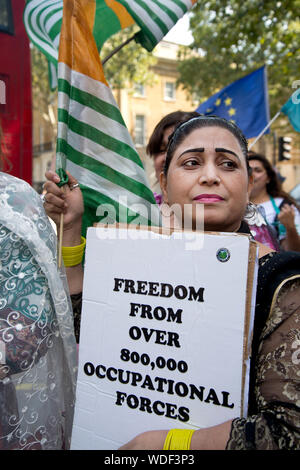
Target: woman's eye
<point>230,165</point>
<point>191,162</point>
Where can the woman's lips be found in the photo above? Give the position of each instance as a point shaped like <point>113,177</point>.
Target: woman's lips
<point>207,198</point>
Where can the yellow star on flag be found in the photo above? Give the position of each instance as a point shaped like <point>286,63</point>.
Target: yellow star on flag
<point>228,101</point>
<point>231,112</point>
<point>218,102</point>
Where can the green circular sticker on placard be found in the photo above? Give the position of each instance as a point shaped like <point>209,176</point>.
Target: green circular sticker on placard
<point>223,255</point>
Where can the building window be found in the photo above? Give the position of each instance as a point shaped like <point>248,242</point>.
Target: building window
<point>139,130</point>
<point>169,91</point>
<point>6,17</point>
<point>139,90</point>
<point>4,97</point>
<point>2,92</point>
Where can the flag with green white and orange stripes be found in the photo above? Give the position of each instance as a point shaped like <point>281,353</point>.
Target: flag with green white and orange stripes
<point>93,143</point>
<point>155,18</point>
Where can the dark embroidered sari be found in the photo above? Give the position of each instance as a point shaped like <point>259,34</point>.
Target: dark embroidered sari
<point>274,403</point>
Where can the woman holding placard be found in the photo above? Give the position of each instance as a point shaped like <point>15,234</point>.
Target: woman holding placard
<point>206,166</point>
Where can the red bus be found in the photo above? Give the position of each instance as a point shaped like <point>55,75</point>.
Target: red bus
<point>15,91</point>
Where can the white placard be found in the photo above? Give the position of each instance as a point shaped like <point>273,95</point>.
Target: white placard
<point>162,334</point>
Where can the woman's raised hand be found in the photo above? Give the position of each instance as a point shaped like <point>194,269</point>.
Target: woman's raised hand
<point>67,200</point>
<point>287,216</point>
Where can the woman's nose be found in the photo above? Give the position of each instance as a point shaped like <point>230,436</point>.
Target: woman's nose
<point>209,176</point>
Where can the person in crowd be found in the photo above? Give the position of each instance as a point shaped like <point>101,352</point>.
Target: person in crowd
<point>207,164</point>
<point>279,208</point>
<point>158,142</point>
<point>157,149</point>
<point>38,356</point>
<point>260,229</point>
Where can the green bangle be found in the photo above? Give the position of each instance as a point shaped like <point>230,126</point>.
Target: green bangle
<point>73,255</point>
<point>178,439</point>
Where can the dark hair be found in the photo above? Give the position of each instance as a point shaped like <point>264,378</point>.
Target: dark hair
<point>171,119</point>
<point>274,186</point>
<point>185,128</point>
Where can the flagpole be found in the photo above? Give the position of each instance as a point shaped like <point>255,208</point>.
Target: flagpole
<point>117,49</point>
<point>61,229</point>
<point>264,130</point>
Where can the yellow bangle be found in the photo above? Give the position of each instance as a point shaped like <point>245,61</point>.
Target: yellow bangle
<point>178,439</point>
<point>73,255</point>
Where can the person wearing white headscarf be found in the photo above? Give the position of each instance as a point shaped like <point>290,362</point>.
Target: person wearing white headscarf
<point>38,356</point>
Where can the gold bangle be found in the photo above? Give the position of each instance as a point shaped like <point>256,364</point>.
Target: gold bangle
<point>73,255</point>
<point>178,439</point>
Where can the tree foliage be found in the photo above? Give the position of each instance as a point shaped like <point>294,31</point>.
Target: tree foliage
<point>41,92</point>
<point>131,64</point>
<point>233,38</point>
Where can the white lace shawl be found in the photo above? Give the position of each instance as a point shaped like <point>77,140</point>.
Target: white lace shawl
<point>38,356</point>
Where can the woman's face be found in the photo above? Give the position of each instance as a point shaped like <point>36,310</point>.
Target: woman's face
<point>209,168</point>
<point>260,177</point>
<point>159,158</point>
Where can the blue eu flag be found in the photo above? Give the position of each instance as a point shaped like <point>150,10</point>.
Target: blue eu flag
<point>244,101</point>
